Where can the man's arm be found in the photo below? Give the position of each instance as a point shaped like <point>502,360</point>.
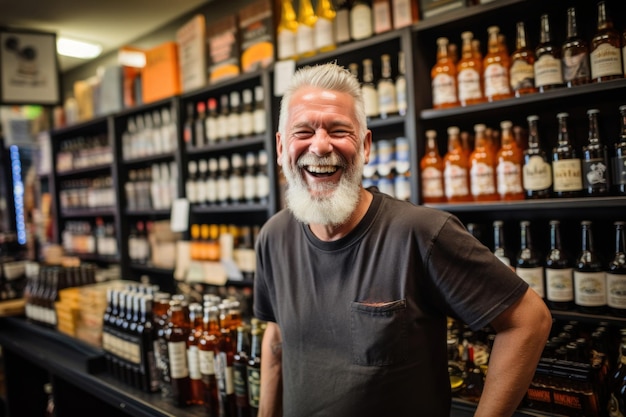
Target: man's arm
<point>521,334</point>
<point>271,397</point>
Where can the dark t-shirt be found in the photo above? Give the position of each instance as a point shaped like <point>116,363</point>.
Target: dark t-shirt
<point>363,318</point>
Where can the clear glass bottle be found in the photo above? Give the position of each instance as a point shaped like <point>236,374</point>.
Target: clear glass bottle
<point>566,168</point>
<point>589,276</point>
<point>443,78</point>
<point>431,171</point>
<point>528,265</point>
<point>595,160</point>
<point>559,272</point>
<point>575,54</point>
<point>548,70</point>
<point>537,171</point>
<point>469,73</point>
<point>606,56</point>
<point>386,89</point>
<point>616,273</point>
<point>522,73</point>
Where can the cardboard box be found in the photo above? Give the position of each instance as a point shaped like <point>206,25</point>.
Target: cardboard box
<point>431,8</point>
<point>192,53</point>
<point>163,244</point>
<point>160,78</point>
<point>223,49</point>
<point>256,31</point>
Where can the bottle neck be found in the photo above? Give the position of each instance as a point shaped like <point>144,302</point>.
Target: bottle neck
<point>533,135</point>
<point>593,129</point>
<point>603,20</point>
<point>520,42</point>
<point>563,132</point>
<point>620,240</point>
<point>587,239</point>
<point>498,238</point>
<point>545,30</point>
<point>572,29</point>
<point>525,239</point>
<point>555,237</point>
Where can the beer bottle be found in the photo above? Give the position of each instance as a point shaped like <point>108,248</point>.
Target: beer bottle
<point>324,26</point>
<point>199,123</point>
<point>370,93</point>
<point>548,71</point>
<point>286,31</point>
<point>254,370</point>
<point>386,89</point>
<point>176,336</point>
<point>160,311</point>
<point>145,330</point>
<point>240,372</point>
<point>537,171</point>
<point>618,161</point>
<point>616,273</point>
<point>528,263</point>
<point>595,161</point>
<point>469,73</point>
<point>566,167</point>
<point>455,169</point>
<point>431,169</point>
<point>482,164</point>
<point>361,20</point>
<point>575,54</point>
<point>496,68</point>
<point>400,85</point>
<point>305,36</point>
<point>589,276</point>
<point>224,354</point>
<point>499,247</point>
<point>509,166</point>
<point>559,272</point>
<point>617,381</point>
<point>206,352</point>
<point>522,71</point>
<point>606,57</point>
<point>443,76</point>
<point>193,357</point>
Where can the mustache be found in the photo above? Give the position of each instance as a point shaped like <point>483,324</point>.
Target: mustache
<point>333,159</point>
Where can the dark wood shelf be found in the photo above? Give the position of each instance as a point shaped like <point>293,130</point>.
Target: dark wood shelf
<point>95,212</point>
<point>161,157</point>
<point>526,205</point>
<point>233,144</point>
<point>230,208</point>
<point>149,213</point>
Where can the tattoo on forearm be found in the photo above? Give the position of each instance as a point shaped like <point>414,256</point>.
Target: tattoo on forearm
<point>277,349</point>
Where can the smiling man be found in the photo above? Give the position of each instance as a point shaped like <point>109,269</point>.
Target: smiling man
<point>356,286</point>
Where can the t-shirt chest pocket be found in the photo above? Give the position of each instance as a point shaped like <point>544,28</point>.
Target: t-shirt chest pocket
<point>379,332</point>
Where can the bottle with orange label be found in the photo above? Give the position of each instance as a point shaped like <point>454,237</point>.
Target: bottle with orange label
<point>443,76</point>
<point>496,68</point>
<point>509,166</point>
<point>431,171</point>
<point>455,171</point>
<point>482,163</point>
<point>469,73</point>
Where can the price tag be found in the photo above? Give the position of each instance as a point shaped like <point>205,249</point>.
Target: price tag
<point>283,71</point>
<point>179,217</point>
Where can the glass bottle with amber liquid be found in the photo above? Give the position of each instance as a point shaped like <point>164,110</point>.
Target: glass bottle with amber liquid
<point>176,337</point>
<point>193,356</point>
<point>509,165</point>
<point>537,171</point>
<point>469,73</point>
<point>431,170</point>
<point>482,163</point>
<point>605,57</point>
<point>522,72</point>
<point>496,66</point>
<point>456,169</point>
<point>240,371</point>
<point>589,276</point>
<point>443,78</point>
<point>566,169</point>
<point>575,54</point>
<point>548,71</point>
<point>595,160</point>
<point>528,263</point>
<point>206,351</point>
<point>618,160</point>
<point>559,272</point>
<point>616,273</point>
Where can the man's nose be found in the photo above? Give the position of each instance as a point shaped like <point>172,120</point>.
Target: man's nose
<point>321,143</point>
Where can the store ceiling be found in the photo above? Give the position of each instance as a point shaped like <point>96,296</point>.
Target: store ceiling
<point>110,23</point>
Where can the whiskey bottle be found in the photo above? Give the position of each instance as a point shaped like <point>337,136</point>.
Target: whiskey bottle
<point>324,26</point>
<point>443,78</point>
<point>176,336</point>
<point>400,87</point>
<point>616,273</point>
<point>548,71</point>
<point>146,332</point>
<point>381,15</point>
<point>589,276</point>
<point>522,73</point>
<point>509,166</point>
<point>482,164</point>
<point>605,57</point>
<point>499,246</point>
<point>431,169</point>
<point>361,21</point>
<point>595,161</point>
<point>224,354</point>
<point>618,160</point>
<point>575,54</point>
<point>254,369</point>
<point>469,72</point>
<point>286,31</point>
<point>235,180</point>
<point>246,118</point>
<point>199,125</point>
<point>196,387</point>
<point>222,119</point>
<point>259,111</point>
<point>528,264</point>
<point>234,116</point>
<point>386,89</point>
<point>496,68</point>
<point>222,182</point>
<point>370,93</point>
<point>305,37</point>
<point>210,126</point>
<point>566,167</point>
<point>210,185</point>
<point>206,352</point>
<point>201,181</point>
<point>160,311</point>
<point>559,272</point>
<point>341,25</point>
<point>455,169</point>
<point>240,372</point>
<point>190,184</point>
<point>262,178</point>
<point>537,171</point>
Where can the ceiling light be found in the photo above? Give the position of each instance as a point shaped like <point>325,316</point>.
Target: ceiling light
<point>78,49</point>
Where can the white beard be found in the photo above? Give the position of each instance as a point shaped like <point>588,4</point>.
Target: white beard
<point>340,200</point>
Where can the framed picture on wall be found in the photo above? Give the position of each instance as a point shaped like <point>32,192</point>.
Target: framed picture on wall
<point>28,68</point>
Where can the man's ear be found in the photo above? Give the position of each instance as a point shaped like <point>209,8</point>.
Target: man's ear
<point>279,149</point>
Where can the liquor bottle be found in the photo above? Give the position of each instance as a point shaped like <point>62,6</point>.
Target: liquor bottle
<point>212,244</point>
<point>616,273</point>
<point>190,184</point>
<point>249,178</point>
<point>496,68</point>
<point>245,255</point>
<point>146,333</point>
<point>405,13</point>
<point>234,118</point>
<point>618,160</point>
<point>401,96</point>
<point>188,128</point>
<point>589,276</point>
<point>509,166</point>
<point>455,172</point>
<point>469,70</point>
<point>522,72</point>
<point>342,22</point>
<point>246,117</point>
<point>286,32</point>
<point>605,57</point>
<point>262,178</point>
<point>240,372</point>
<point>210,185</point>
<point>575,54</point>
<point>259,113</point>
<point>617,404</point>
<point>528,265</point>
<point>160,311</point>
<point>196,387</point>
<point>361,21</point>
<point>324,26</point>
<point>222,119</point>
<point>595,160</point>
<point>305,36</point>
<point>370,93</point>
<point>482,164</point>
<point>559,272</point>
<point>235,180</point>
<point>206,351</point>
<point>254,369</point>
<point>431,169</point>
<point>499,247</point>
<point>566,169</point>
<point>443,76</point>
<point>548,71</point>
<point>199,125</point>
<point>200,181</point>
<point>222,182</point>
<point>537,171</point>
<point>224,354</point>
<point>210,126</point>
<point>381,15</point>
<point>386,89</point>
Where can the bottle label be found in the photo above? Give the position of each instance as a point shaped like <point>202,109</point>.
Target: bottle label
<point>211,129</point>
<point>401,100</point>
<point>382,17</point>
<point>496,80</point>
<point>432,182</point>
<point>567,175</point>
<point>402,187</point>
<point>386,97</point>
<point>444,89</point>
<point>305,41</point>
<point>595,173</point>
<point>455,180</point>
<point>402,13</point>
<point>236,187</point>
<point>590,289</point>
<point>522,75</point>
<point>469,84</point>
<point>177,353</point>
<point>193,360</point>
<point>234,125</point>
<point>370,100</point>
<point>246,123</point>
<point>254,386</point>
<point>324,35</point>
<point>619,170</point>
<point>509,178</point>
<point>249,187</point>
<point>606,60</point>
<point>262,186</point>
<point>361,21</point>
<point>210,190</point>
<point>342,26</point>
<point>534,278</point>
<point>222,190</point>
<point>482,179</point>
<point>548,71</point>
<point>616,290</point>
<point>536,174</point>
<point>576,67</point>
<point>259,121</point>
<point>560,284</point>
<point>207,362</point>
